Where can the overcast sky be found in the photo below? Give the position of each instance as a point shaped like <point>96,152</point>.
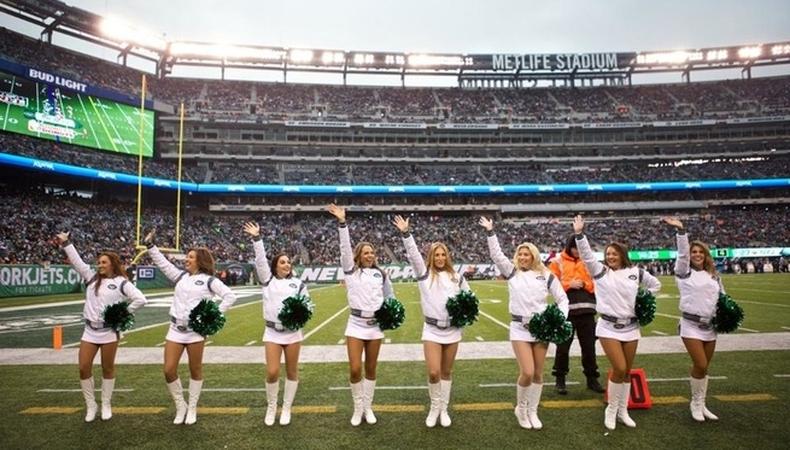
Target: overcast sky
<point>460,26</point>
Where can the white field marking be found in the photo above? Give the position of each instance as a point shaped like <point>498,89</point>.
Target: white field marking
<point>250,343</point>
<point>495,320</point>
<point>161,344</point>
<point>123,342</point>
<point>665,380</point>
<point>502,385</point>
<point>80,390</point>
<point>233,389</point>
<point>763,304</point>
<point>387,341</point>
<point>341,342</point>
<point>668,315</point>
<point>209,342</point>
<point>48,327</point>
<point>314,330</point>
<point>660,333</point>
<point>770,291</point>
<point>782,375</point>
<point>786,328</point>
<point>479,338</point>
<point>748,329</point>
<point>386,388</point>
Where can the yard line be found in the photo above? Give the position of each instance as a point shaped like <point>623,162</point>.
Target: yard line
<point>209,342</point>
<point>80,390</point>
<point>250,343</point>
<point>233,389</point>
<point>660,333</point>
<point>314,330</point>
<point>387,341</point>
<point>500,385</point>
<point>112,125</point>
<point>763,303</point>
<point>782,375</point>
<point>341,342</point>
<point>495,320</point>
<point>479,338</point>
<point>386,388</point>
<point>748,329</point>
<point>665,380</point>
<point>786,328</point>
<point>770,291</point>
<point>161,344</point>
<point>106,131</point>
<point>147,147</point>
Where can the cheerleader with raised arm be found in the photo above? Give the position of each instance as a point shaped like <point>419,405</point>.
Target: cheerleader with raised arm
<point>699,285</point>
<point>617,282</point>
<point>278,284</point>
<point>367,287</point>
<point>438,282</point>
<point>194,284</point>
<point>529,284</point>
<point>105,286</point>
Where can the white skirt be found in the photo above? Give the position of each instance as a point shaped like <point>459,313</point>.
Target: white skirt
<point>360,328</point>
<point>282,337</point>
<point>519,333</point>
<point>98,337</point>
<point>691,330</point>
<point>606,329</point>
<point>182,337</point>
<point>450,335</point>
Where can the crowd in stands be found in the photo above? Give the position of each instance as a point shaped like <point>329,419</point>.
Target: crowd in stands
<point>29,219</point>
<point>270,101</point>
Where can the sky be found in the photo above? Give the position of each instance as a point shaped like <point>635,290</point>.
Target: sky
<point>460,26</point>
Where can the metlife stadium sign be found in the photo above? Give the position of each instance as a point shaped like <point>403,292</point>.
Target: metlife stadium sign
<point>559,62</point>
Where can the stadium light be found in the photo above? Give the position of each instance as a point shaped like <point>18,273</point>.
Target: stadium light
<point>436,60</point>
<point>717,55</point>
<point>750,52</point>
<point>333,57</point>
<point>361,59</point>
<point>677,57</point>
<point>301,56</point>
<point>781,49</point>
<point>118,29</point>
<point>224,51</point>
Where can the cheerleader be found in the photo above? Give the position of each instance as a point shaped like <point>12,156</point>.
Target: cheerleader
<point>192,285</point>
<point>617,283</point>
<point>529,283</point>
<point>699,285</point>
<point>367,286</point>
<point>437,283</point>
<point>278,284</point>
<point>98,295</point>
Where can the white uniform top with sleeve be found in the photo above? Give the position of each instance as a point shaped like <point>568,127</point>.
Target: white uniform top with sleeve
<point>111,291</point>
<point>435,290</point>
<point>699,294</point>
<point>616,291</point>
<point>275,291</point>
<point>189,291</point>
<point>366,289</point>
<point>528,291</point>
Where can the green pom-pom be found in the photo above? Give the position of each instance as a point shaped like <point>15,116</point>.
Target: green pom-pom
<point>729,315</point>
<point>118,317</point>
<point>551,326</point>
<point>296,311</point>
<point>205,319</point>
<point>645,307</point>
<point>391,314</point>
<point>463,309</point>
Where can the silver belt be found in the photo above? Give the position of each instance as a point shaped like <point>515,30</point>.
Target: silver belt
<point>619,324</point>
<point>368,316</point>
<point>97,326</point>
<point>181,325</point>
<point>520,319</point>
<point>440,324</point>
<point>277,326</point>
<point>702,322</point>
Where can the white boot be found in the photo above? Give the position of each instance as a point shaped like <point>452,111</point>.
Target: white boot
<point>435,394</point>
<point>697,398</point>
<point>444,417</point>
<point>534,391</point>
<point>195,386</point>
<point>90,399</point>
<point>622,410</point>
<point>289,392</point>
<point>521,406</point>
<point>610,414</point>
<point>271,398</point>
<point>357,396</point>
<point>177,392</point>
<point>107,386</point>
<point>369,389</point>
<point>705,412</point>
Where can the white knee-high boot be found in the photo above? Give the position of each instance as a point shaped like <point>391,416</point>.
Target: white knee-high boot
<point>444,416</point>
<point>358,397</point>
<point>107,386</point>
<point>369,390</point>
<point>697,398</point>
<point>272,390</point>
<point>289,392</point>
<point>534,392</point>
<point>521,406</point>
<point>705,412</point>
<point>90,399</point>
<point>622,410</point>
<point>195,386</point>
<point>435,394</point>
<point>610,414</point>
<point>177,392</point>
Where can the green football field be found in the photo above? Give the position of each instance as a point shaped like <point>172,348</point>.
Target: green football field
<point>44,111</point>
<point>749,390</point>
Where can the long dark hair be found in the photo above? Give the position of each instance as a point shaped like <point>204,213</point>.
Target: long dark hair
<point>621,250</point>
<point>117,270</point>
<point>205,260</point>
<point>273,266</point>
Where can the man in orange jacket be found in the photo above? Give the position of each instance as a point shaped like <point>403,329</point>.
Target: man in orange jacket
<point>578,284</point>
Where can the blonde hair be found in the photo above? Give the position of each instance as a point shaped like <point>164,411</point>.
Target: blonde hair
<point>707,264</point>
<point>537,264</point>
<point>448,264</point>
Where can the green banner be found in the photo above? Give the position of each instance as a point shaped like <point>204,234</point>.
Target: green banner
<point>18,280</point>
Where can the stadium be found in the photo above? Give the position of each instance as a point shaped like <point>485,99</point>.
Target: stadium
<point>110,150</point>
